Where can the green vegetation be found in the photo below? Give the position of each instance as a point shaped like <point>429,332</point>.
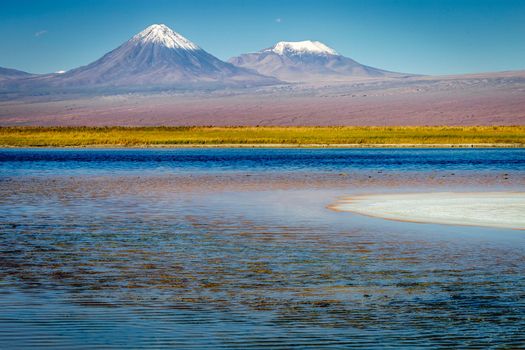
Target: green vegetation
<point>239,136</point>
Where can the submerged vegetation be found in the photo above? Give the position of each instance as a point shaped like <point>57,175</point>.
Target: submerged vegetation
<point>251,136</point>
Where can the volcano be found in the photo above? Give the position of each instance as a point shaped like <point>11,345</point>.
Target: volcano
<point>299,61</point>
<point>157,57</point>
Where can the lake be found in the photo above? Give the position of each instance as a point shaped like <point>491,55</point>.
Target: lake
<point>237,248</point>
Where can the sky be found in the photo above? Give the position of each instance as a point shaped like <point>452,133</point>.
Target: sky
<point>412,36</point>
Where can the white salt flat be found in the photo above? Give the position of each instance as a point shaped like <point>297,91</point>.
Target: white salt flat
<point>491,209</point>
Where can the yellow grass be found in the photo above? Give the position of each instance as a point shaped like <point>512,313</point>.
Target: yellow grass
<point>232,136</point>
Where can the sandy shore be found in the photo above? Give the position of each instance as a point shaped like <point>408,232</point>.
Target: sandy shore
<point>490,209</point>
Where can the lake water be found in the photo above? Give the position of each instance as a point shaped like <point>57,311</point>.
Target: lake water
<point>236,248</point>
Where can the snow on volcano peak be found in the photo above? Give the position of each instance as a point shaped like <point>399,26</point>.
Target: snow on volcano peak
<point>162,35</point>
<point>302,47</point>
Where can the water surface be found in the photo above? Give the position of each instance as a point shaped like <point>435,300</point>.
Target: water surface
<point>235,248</point>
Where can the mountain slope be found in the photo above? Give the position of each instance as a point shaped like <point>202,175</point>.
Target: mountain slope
<point>8,73</point>
<point>306,61</point>
<point>156,57</point>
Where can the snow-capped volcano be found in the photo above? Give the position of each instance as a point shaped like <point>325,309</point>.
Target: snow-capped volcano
<point>301,47</point>
<point>157,57</point>
<point>162,35</point>
<point>306,61</point>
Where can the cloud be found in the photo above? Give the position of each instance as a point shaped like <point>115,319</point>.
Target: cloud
<point>40,33</point>
<point>279,20</point>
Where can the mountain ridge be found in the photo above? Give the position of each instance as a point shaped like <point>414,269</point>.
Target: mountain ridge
<point>306,61</point>
<point>10,73</point>
<point>155,57</point>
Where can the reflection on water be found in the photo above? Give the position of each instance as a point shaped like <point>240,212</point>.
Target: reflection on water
<point>248,257</point>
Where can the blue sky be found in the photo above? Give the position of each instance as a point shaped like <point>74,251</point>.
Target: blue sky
<point>416,36</point>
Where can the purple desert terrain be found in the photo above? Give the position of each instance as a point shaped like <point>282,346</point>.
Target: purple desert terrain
<point>159,77</point>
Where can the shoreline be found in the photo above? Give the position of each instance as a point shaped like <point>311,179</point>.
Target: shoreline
<point>443,208</point>
<point>265,137</point>
<point>281,145</point>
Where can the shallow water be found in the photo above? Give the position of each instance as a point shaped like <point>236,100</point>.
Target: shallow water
<point>235,248</point>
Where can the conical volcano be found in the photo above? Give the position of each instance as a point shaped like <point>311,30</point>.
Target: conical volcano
<point>156,57</point>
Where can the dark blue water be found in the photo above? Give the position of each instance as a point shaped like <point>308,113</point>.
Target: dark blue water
<point>82,161</point>
<point>235,248</point>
